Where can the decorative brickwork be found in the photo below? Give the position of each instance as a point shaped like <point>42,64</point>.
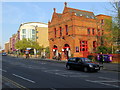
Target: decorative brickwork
<point>75,32</point>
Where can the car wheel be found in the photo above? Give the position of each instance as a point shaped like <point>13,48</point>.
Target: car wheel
<point>68,67</point>
<point>85,69</point>
<point>96,71</point>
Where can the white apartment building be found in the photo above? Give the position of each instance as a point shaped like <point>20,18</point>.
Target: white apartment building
<point>28,30</point>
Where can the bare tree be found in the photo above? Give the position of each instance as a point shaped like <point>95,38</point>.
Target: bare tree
<point>116,22</point>
<point>112,27</point>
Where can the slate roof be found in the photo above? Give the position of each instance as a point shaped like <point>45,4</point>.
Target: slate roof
<point>78,12</point>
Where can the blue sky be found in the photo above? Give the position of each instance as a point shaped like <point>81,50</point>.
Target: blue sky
<point>15,13</point>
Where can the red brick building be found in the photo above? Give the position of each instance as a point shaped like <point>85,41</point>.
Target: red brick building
<point>75,32</point>
<point>7,47</point>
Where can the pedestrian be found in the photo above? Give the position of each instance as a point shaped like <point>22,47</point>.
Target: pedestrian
<point>101,58</point>
<point>27,54</point>
<point>59,56</point>
<point>17,54</point>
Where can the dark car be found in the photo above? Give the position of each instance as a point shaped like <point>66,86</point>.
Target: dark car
<point>82,63</point>
<point>4,54</point>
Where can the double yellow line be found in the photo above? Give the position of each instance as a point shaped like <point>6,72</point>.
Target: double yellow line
<point>15,84</point>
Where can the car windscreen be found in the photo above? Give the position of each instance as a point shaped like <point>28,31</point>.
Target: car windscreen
<point>86,60</point>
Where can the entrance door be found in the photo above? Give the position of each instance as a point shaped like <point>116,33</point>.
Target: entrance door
<point>55,51</point>
<point>84,48</point>
<point>67,51</point>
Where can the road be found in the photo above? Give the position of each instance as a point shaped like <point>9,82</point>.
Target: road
<point>25,73</point>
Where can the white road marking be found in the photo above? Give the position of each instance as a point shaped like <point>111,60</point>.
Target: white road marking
<point>104,81</point>
<point>109,84</point>
<point>57,70</point>
<point>64,74</point>
<point>3,70</point>
<point>42,68</point>
<point>53,88</point>
<point>24,78</point>
<point>29,67</point>
<point>101,82</point>
<point>68,73</point>
<point>51,70</point>
<point>43,63</point>
<point>108,78</point>
<point>78,76</point>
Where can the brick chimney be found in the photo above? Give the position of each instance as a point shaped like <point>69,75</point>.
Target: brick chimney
<point>54,10</point>
<point>65,4</point>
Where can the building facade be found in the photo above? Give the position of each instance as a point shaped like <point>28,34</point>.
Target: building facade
<point>75,32</point>
<point>42,36</point>
<point>7,47</point>
<point>35,31</point>
<point>12,42</point>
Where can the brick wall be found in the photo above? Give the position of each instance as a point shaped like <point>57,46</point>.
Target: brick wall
<point>77,31</point>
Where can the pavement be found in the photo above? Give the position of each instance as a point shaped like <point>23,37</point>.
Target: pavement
<point>106,66</point>
<point>111,66</point>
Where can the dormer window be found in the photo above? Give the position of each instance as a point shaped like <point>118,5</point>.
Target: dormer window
<point>80,14</point>
<point>92,17</point>
<point>87,16</point>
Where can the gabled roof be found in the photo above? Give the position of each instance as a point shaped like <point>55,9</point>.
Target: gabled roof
<point>78,12</point>
<point>103,15</point>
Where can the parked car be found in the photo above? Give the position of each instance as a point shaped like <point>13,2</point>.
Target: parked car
<point>4,54</point>
<point>82,63</point>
